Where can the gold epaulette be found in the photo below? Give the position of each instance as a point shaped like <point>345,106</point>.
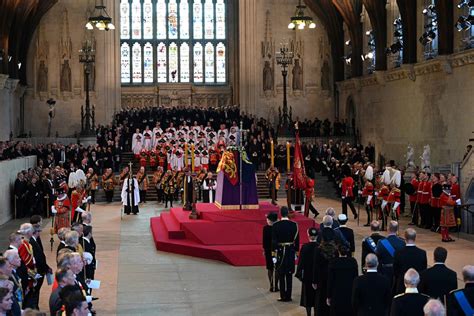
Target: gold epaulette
<point>399,295</point>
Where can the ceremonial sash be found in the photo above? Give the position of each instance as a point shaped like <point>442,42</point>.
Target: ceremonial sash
<point>462,301</point>
<point>371,244</point>
<point>388,246</point>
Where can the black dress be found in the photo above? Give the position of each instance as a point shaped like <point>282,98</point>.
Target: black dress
<point>267,246</point>
<point>304,273</point>
<point>322,255</point>
<point>341,274</point>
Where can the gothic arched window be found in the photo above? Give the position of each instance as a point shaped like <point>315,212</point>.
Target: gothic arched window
<point>173,41</point>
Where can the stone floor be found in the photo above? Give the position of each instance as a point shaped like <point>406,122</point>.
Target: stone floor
<point>138,280</point>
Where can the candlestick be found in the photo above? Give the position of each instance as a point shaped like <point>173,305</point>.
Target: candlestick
<point>288,156</point>
<point>185,155</point>
<point>272,153</point>
<point>192,157</point>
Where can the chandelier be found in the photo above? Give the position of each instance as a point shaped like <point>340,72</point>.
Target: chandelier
<point>300,20</point>
<point>100,18</point>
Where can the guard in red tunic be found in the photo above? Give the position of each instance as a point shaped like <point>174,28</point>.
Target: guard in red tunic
<point>368,194</point>
<point>25,251</point>
<point>394,200</point>
<point>347,186</point>
<point>448,218</point>
<point>424,202</point>
<point>435,206</point>
<point>61,209</point>
<point>309,194</point>
<point>413,199</point>
<point>77,197</point>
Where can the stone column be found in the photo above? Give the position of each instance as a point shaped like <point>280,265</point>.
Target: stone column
<point>248,52</point>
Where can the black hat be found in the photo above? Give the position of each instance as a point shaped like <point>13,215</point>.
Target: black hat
<point>232,137</point>
<point>272,216</point>
<point>221,133</point>
<point>204,152</point>
<point>211,134</point>
<point>51,101</point>
<point>312,231</point>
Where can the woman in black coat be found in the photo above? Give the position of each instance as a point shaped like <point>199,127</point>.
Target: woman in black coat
<point>305,269</point>
<point>341,274</point>
<point>323,254</point>
<point>267,251</point>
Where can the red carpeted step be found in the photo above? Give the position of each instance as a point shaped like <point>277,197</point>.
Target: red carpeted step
<point>172,226</point>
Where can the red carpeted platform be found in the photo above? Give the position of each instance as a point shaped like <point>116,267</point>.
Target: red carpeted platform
<point>232,236</point>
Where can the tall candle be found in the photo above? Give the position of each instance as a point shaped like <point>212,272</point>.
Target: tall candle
<point>288,156</point>
<point>185,155</point>
<point>192,157</point>
<point>272,153</point>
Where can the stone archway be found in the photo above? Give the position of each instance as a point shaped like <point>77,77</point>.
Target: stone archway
<point>351,116</point>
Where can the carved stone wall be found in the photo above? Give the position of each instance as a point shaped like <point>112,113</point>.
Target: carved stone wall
<point>264,28</point>
<point>56,43</point>
<point>426,103</point>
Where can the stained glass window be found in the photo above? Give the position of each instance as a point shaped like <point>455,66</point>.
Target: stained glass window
<point>197,19</point>
<point>220,19</point>
<point>147,20</point>
<point>125,62</point>
<point>173,63</point>
<point>148,63</point>
<point>209,62</point>
<point>184,62</point>
<point>220,63</point>
<point>172,19</point>
<point>161,62</point>
<point>198,62</point>
<point>137,63</point>
<point>124,19</point>
<point>209,19</point>
<point>184,19</point>
<point>161,19</point>
<point>164,41</point>
<point>136,19</point>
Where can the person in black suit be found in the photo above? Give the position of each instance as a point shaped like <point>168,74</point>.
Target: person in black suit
<point>455,308</point>
<point>21,271</point>
<point>408,257</point>
<point>64,277</point>
<point>369,244</point>
<point>346,232</point>
<point>286,242</point>
<point>267,251</point>
<point>304,271</point>
<point>87,246</point>
<point>42,267</point>
<point>341,274</point>
<point>371,292</point>
<point>386,249</point>
<point>323,254</point>
<point>62,236</point>
<point>411,302</point>
<point>438,280</point>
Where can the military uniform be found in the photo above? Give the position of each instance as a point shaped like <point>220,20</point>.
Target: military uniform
<point>409,303</point>
<point>461,302</point>
<point>385,251</point>
<point>285,240</point>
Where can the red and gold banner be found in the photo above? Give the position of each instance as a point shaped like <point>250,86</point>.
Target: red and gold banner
<point>229,167</point>
<point>299,174</point>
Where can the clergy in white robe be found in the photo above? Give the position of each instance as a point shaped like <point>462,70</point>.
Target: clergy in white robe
<point>137,142</point>
<point>209,186</point>
<point>130,196</point>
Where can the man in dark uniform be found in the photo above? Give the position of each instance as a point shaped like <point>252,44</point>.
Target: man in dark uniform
<point>408,257</point>
<point>346,232</point>
<point>461,302</point>
<point>386,249</point>
<point>371,292</point>
<point>438,280</point>
<point>285,240</point>
<point>411,302</point>
<point>305,269</point>
<point>369,244</point>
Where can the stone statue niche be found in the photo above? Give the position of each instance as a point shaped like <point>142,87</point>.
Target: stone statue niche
<point>297,73</point>
<point>325,76</point>
<point>42,52</point>
<point>42,85</point>
<point>267,77</point>
<point>65,49</point>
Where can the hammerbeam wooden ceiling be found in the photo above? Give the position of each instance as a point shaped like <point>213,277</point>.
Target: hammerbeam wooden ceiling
<point>333,13</point>
<point>18,21</point>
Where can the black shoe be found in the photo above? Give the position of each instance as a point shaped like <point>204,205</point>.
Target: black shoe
<point>367,225</point>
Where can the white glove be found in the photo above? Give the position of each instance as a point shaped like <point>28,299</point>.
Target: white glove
<point>369,198</point>
<point>395,205</point>
<point>80,210</point>
<point>384,203</point>
<point>458,202</point>
<point>376,193</point>
<point>360,192</point>
<point>274,260</point>
<point>54,210</point>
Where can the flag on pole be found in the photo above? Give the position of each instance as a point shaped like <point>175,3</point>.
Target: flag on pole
<point>299,174</point>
